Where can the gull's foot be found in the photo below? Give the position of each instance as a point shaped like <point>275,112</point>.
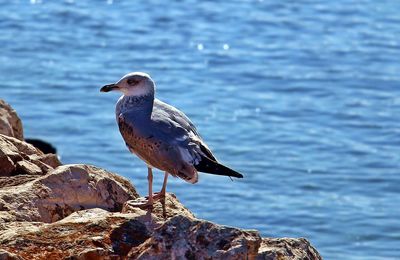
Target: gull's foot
<point>159,195</point>
<point>145,203</point>
<point>142,203</point>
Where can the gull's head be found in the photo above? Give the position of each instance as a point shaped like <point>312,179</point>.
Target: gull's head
<point>132,84</point>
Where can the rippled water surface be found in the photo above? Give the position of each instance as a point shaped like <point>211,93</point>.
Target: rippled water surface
<point>302,98</point>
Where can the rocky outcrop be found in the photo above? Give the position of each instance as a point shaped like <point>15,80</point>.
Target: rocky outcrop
<point>186,238</point>
<point>43,146</point>
<point>138,234</point>
<point>20,158</point>
<point>286,248</point>
<point>54,211</point>
<point>10,123</point>
<point>67,189</point>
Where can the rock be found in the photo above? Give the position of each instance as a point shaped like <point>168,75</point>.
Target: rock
<point>46,162</point>
<point>43,146</point>
<point>10,123</point>
<point>49,159</point>
<point>87,234</point>
<point>18,157</point>
<point>100,234</point>
<point>184,238</point>
<point>28,168</point>
<point>15,180</point>
<point>4,255</point>
<point>171,203</point>
<point>11,126</point>
<point>287,248</point>
<point>65,190</point>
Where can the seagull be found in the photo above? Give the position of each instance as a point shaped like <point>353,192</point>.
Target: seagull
<point>161,135</point>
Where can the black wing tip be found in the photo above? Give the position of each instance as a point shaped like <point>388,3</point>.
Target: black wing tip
<point>236,174</point>
<point>229,172</point>
<point>210,166</point>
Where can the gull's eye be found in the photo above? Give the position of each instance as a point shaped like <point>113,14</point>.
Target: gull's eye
<point>132,82</point>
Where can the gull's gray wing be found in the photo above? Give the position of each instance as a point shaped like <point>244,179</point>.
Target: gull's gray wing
<point>180,126</point>
<point>181,120</point>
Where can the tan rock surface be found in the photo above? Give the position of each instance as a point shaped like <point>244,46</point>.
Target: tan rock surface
<point>186,238</point>
<point>100,234</point>
<point>18,158</point>
<point>287,248</point>
<point>65,190</point>
<point>159,209</point>
<point>10,123</point>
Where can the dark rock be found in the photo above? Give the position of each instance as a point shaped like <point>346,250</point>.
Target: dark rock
<point>43,146</point>
<point>182,238</point>
<point>287,248</point>
<point>4,255</point>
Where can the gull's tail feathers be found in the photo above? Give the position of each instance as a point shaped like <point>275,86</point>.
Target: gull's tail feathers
<point>210,166</point>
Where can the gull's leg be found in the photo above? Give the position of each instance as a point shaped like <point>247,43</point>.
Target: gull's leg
<point>150,180</point>
<point>163,190</point>
<point>164,186</point>
<point>146,202</point>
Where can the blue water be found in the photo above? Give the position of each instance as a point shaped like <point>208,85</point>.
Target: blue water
<point>302,98</point>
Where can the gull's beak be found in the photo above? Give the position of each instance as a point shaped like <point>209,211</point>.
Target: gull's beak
<point>109,87</point>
